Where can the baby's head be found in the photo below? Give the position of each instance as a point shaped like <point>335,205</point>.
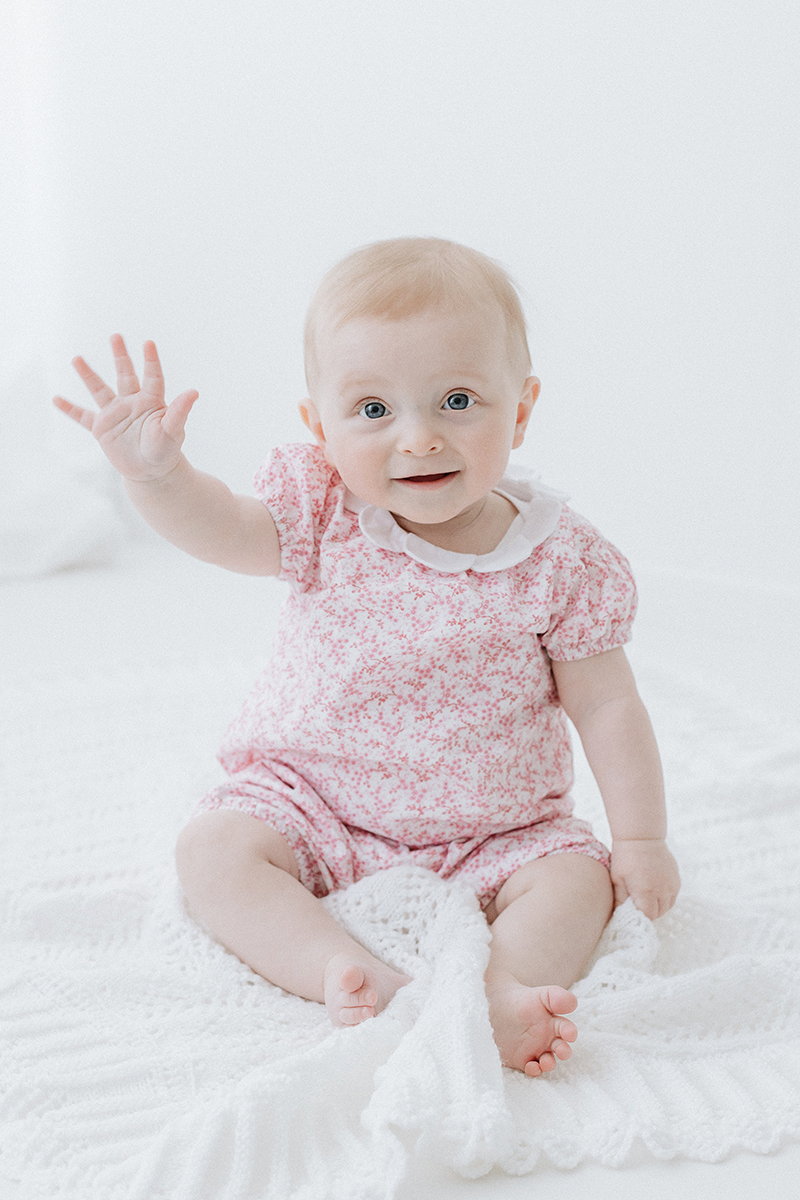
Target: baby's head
<point>406,276</point>
<point>419,378</point>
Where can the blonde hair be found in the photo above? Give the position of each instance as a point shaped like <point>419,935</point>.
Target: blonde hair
<point>404,276</point>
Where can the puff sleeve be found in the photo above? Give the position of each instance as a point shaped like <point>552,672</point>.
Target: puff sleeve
<point>301,491</point>
<point>593,599</point>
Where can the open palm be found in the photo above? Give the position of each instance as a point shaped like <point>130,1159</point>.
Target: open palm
<point>140,435</point>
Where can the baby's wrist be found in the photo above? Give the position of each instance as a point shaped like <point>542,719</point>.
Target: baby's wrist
<point>148,479</point>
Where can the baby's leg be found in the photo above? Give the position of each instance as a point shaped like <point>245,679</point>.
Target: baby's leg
<point>546,922</point>
<point>242,880</point>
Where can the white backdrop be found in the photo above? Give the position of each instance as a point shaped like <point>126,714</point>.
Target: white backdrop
<point>186,170</point>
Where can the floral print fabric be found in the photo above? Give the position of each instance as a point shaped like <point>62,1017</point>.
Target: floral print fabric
<point>411,705</point>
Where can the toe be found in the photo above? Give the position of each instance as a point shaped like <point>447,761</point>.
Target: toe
<point>558,1000</point>
<point>354,1016</point>
<point>547,1062</point>
<point>352,978</point>
<point>364,997</point>
<point>566,1030</point>
<point>533,1069</point>
<point>561,1050</point>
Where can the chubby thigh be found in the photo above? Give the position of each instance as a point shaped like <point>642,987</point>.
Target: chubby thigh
<point>330,855</point>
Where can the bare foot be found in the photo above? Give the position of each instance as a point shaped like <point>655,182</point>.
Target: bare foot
<point>356,989</point>
<point>529,1031</point>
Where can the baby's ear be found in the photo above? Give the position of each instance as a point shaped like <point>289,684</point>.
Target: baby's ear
<point>310,418</point>
<point>530,394</point>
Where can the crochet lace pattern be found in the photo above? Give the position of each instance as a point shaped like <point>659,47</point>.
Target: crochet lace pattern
<point>142,1061</point>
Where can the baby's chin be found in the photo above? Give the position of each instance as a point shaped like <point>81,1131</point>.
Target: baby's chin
<point>450,519</point>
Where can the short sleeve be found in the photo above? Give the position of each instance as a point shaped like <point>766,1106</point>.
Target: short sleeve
<point>593,597</point>
<point>301,491</point>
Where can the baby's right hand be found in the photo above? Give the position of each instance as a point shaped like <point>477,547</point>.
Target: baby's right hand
<point>137,432</point>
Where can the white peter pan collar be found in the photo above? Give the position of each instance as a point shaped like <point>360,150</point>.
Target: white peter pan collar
<point>539,508</point>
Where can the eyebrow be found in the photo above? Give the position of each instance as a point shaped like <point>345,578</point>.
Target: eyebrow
<point>362,381</point>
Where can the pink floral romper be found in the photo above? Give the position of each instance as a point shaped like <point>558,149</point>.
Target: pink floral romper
<point>409,713</point>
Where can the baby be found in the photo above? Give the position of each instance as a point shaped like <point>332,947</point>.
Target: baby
<point>446,615</point>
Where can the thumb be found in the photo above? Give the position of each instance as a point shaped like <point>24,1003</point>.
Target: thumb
<point>174,418</point>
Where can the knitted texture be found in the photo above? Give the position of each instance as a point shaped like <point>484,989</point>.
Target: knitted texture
<point>142,1061</point>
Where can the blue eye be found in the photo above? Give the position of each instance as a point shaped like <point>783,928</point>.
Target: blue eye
<point>459,401</point>
<point>374,409</point>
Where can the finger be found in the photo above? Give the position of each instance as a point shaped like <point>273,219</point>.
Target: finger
<point>153,378</point>
<point>647,903</point>
<point>174,418</point>
<point>665,903</point>
<point>101,392</point>
<point>127,382</point>
<point>72,410</point>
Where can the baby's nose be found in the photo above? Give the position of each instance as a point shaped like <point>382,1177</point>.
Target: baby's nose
<point>417,436</point>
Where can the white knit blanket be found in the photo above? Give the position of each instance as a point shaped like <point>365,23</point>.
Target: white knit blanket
<point>142,1061</point>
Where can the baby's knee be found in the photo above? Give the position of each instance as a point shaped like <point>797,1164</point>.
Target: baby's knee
<point>598,879</point>
<point>585,875</point>
<point>221,841</point>
<point>578,878</point>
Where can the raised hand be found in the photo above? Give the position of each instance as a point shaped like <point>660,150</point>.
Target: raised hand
<point>137,432</point>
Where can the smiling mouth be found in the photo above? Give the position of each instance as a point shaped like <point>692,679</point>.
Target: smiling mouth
<point>438,478</point>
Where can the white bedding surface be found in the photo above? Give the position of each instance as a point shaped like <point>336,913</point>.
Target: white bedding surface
<point>156,611</point>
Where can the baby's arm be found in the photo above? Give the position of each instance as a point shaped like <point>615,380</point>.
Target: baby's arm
<point>142,438</point>
<point>599,696</point>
